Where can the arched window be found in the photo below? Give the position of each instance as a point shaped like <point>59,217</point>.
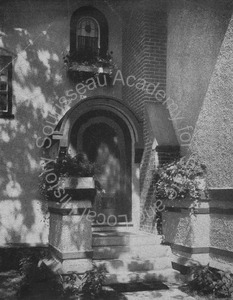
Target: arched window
<point>88,37</point>
<point>88,34</point>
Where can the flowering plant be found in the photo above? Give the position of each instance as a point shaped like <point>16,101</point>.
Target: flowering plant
<point>180,179</point>
<point>78,166</point>
<point>66,166</point>
<point>95,64</point>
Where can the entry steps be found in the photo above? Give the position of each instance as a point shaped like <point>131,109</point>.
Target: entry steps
<point>133,257</point>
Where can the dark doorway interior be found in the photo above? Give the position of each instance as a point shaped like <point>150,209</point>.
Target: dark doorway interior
<point>105,138</point>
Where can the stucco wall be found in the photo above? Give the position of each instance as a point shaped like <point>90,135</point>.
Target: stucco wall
<point>37,33</point>
<point>196,31</point>
<point>221,224</point>
<point>213,133</point>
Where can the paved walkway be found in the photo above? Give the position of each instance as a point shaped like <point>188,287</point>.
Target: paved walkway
<point>172,293</point>
<point>10,281</point>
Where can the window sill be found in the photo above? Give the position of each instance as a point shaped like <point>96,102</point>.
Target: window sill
<point>81,73</point>
<point>77,67</point>
<point>6,116</point>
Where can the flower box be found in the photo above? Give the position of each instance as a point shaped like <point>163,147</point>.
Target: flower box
<point>74,66</point>
<point>77,182</point>
<point>79,188</point>
<point>81,69</point>
<point>75,176</point>
<point>94,70</point>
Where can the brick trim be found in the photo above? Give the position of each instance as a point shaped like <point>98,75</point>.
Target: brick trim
<point>201,250</point>
<point>71,255</point>
<point>202,211</point>
<point>68,211</point>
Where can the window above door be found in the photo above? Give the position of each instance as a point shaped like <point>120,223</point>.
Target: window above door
<point>88,35</point>
<point>88,56</point>
<point>88,38</point>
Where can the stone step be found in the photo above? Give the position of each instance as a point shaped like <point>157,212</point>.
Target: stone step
<point>126,227</point>
<point>136,251</point>
<point>134,265</point>
<point>112,252</point>
<point>124,239</point>
<point>173,293</point>
<point>151,251</point>
<point>112,245</point>
<point>167,275</point>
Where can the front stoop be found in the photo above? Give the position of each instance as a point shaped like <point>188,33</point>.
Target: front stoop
<point>134,257</point>
<point>130,257</point>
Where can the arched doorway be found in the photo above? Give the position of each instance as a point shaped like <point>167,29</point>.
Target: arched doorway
<point>106,140</point>
<point>111,134</point>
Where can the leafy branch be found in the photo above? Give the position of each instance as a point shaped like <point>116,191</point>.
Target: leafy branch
<point>180,179</point>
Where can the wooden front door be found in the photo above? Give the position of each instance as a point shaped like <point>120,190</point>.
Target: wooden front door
<point>105,145</point>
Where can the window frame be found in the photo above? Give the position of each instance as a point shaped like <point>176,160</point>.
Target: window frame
<point>6,62</point>
<point>89,12</point>
<point>78,48</point>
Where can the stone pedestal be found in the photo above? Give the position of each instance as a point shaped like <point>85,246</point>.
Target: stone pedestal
<point>70,236</point>
<point>188,233</point>
<point>205,236</point>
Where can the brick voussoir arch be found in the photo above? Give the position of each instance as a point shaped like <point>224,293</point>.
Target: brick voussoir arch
<point>63,129</point>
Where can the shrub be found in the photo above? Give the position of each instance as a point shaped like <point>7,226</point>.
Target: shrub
<point>207,281</point>
<point>92,281</point>
<point>180,179</point>
<point>89,285</point>
<point>28,268</point>
<point>78,165</point>
<point>67,166</point>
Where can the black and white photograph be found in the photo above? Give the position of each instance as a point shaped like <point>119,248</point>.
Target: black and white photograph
<point>116,149</point>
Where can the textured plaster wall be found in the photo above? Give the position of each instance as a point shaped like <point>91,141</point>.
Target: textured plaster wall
<point>37,32</point>
<point>199,80</point>
<point>221,238</point>
<point>196,31</point>
<point>213,136</point>
<point>221,224</point>
<point>195,34</point>
<point>221,231</point>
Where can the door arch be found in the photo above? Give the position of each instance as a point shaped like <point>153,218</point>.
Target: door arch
<point>107,142</point>
<point>120,118</point>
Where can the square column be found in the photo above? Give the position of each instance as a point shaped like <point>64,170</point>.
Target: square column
<point>70,236</point>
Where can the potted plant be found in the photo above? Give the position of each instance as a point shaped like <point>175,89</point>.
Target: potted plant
<point>181,187</point>
<point>82,68</point>
<point>181,179</point>
<point>88,286</point>
<point>75,175</point>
